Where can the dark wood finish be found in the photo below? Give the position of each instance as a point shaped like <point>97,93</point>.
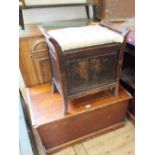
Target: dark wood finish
<point>87,11</point>
<point>128,72</point>
<point>88,116</point>
<point>21,20</point>
<point>80,72</point>
<point>127,78</point>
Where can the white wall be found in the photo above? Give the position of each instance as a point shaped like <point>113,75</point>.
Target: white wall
<point>52,14</point>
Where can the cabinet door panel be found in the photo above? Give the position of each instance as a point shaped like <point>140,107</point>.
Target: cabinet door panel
<point>91,72</point>
<point>43,70</point>
<point>77,75</point>
<point>41,61</point>
<point>102,69</point>
<point>34,61</point>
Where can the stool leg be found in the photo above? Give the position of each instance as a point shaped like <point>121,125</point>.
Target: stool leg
<point>116,89</point>
<point>65,105</point>
<point>87,11</point>
<point>54,89</point>
<point>21,20</point>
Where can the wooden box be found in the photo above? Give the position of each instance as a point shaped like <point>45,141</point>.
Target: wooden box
<point>89,116</point>
<point>84,70</point>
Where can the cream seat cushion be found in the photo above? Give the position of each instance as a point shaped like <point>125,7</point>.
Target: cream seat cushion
<point>54,2</point>
<point>86,36</point>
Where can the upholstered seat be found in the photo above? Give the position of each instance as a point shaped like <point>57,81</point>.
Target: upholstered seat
<point>87,36</point>
<point>54,2</point>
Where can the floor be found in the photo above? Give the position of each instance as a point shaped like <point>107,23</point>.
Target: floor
<point>117,142</point>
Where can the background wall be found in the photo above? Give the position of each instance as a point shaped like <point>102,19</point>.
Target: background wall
<point>53,14</point>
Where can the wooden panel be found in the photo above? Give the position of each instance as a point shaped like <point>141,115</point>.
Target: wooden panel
<point>41,61</point>
<point>77,75</point>
<point>91,72</point>
<point>34,65</point>
<point>26,65</point>
<point>63,131</point>
<point>90,144</point>
<point>115,9</point>
<point>103,69</point>
<point>43,69</point>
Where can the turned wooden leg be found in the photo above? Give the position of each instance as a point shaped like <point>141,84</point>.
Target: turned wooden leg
<point>116,90</point>
<point>54,89</point>
<point>65,106</point>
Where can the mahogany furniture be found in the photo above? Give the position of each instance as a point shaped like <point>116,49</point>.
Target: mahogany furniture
<point>88,116</point>
<point>84,70</point>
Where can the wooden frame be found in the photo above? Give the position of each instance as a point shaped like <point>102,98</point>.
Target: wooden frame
<point>59,60</point>
<point>24,6</point>
<point>40,60</point>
